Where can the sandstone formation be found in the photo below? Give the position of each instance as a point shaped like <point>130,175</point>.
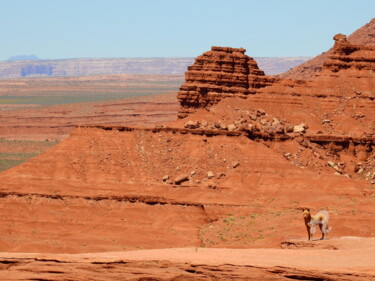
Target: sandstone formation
<point>346,55</point>
<point>307,70</point>
<point>336,107</point>
<point>234,173</point>
<point>217,74</point>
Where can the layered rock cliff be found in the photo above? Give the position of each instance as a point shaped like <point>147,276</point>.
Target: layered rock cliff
<point>336,107</point>
<point>307,70</point>
<point>217,74</point>
<point>346,55</point>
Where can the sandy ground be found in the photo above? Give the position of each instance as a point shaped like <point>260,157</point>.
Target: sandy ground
<point>344,258</point>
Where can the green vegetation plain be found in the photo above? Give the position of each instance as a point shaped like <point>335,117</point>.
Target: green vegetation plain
<point>69,93</point>
<point>23,94</point>
<point>15,152</point>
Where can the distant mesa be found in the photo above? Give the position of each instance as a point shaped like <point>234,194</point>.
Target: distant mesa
<point>17,68</point>
<point>23,57</point>
<point>36,70</point>
<point>31,66</point>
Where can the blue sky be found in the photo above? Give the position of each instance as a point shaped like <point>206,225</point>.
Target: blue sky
<point>57,29</point>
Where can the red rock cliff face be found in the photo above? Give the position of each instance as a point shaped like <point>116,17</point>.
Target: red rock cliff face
<point>308,70</point>
<point>350,56</point>
<point>219,73</point>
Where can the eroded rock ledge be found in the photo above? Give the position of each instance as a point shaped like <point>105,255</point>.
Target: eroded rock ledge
<point>243,132</point>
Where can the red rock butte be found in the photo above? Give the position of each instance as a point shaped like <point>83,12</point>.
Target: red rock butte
<point>217,74</point>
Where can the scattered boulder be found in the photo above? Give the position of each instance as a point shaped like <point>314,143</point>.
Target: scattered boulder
<point>316,154</point>
<point>264,121</point>
<point>192,124</point>
<point>250,127</point>
<point>210,174</point>
<point>358,116</point>
<point>277,127</point>
<point>253,116</point>
<point>301,128</point>
<point>289,128</point>
<point>257,128</point>
<point>181,178</point>
<point>334,166</point>
<point>260,112</point>
<point>165,178</point>
<point>220,175</point>
<point>232,127</point>
<point>235,164</point>
<point>223,126</point>
<point>243,127</point>
<point>242,120</point>
<point>275,121</point>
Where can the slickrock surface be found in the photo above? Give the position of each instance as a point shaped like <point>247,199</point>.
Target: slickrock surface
<point>202,264</point>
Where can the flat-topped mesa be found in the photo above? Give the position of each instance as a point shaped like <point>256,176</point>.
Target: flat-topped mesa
<point>217,74</point>
<point>346,55</point>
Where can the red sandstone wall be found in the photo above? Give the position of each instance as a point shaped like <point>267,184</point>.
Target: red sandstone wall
<point>219,73</point>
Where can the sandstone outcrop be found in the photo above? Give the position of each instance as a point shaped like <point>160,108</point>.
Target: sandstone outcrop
<point>308,70</point>
<point>346,55</point>
<point>181,178</point>
<point>217,74</point>
<point>336,106</point>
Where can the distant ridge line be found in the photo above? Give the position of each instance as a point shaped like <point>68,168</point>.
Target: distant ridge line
<point>107,66</point>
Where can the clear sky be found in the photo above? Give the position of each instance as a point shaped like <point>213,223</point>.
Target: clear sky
<point>56,29</point>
